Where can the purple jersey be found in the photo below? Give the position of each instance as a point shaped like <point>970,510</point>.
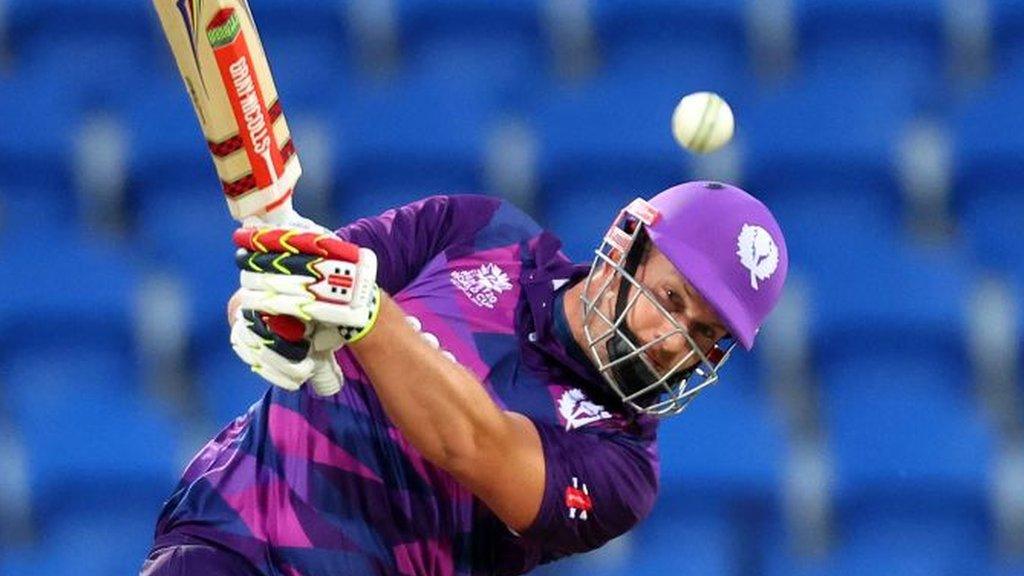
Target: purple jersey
<point>308,485</point>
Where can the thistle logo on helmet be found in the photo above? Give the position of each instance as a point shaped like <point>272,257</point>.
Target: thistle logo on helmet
<point>758,253</point>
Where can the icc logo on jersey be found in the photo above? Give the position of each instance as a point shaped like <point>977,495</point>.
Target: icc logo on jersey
<point>482,285</point>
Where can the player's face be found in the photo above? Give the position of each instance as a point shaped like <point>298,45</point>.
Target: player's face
<point>682,301</point>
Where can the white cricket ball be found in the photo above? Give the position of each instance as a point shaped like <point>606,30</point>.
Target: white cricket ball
<point>702,122</point>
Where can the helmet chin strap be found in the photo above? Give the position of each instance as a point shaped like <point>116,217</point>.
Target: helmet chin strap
<point>633,374</point>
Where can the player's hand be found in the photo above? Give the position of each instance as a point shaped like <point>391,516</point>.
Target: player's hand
<point>325,282</point>
<point>280,350</point>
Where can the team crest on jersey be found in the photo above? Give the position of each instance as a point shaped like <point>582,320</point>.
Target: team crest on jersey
<point>577,499</point>
<point>482,285</point>
<point>758,253</point>
<point>578,410</point>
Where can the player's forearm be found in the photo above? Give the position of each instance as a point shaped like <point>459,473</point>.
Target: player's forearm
<point>441,408</point>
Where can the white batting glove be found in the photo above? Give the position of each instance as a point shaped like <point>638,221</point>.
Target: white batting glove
<point>285,360</point>
<point>318,278</point>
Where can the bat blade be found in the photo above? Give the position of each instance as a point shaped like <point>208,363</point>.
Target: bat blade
<point>218,51</point>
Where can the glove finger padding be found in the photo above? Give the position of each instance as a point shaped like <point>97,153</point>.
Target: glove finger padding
<point>275,303</point>
<point>258,352</point>
<point>285,364</point>
<point>293,241</point>
<point>291,349</point>
<point>323,280</point>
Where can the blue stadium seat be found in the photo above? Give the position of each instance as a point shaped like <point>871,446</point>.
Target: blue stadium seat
<point>37,26</point>
<point>26,208</point>
<point>226,385</point>
<point>935,538</point>
<point>405,140</point>
<point>167,147</point>
<point>284,26</point>
<point>305,85</point>
<point>1008,32</point>
<point>496,44</point>
<point>35,144</point>
<point>743,369</point>
<point>989,136</point>
<point>187,230</point>
<point>87,429</point>
<point>827,225</point>
<point>672,34</point>
<point>96,77</point>
<point>94,539</point>
<point>820,155</point>
<point>889,414</point>
<point>825,132</point>
<point>580,219</point>
<point>88,289</point>
<point>896,297</point>
<point>93,49</point>
<point>728,446</point>
<point>991,218</point>
<point>681,537</point>
<point>898,39</point>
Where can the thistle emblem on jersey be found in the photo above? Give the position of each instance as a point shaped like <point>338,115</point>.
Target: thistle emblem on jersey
<point>758,253</point>
<point>577,499</point>
<point>482,285</point>
<point>578,410</point>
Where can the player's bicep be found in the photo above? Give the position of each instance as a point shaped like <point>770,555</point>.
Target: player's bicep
<point>509,476</point>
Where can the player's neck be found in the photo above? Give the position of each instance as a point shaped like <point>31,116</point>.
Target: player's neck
<point>573,307</point>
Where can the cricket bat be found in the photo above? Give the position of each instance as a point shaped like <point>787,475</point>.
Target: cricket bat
<point>227,76</point>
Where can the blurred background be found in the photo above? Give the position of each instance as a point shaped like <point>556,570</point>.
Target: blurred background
<point>876,430</point>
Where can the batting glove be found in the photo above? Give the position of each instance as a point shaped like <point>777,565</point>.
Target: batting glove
<point>318,278</point>
<point>279,349</point>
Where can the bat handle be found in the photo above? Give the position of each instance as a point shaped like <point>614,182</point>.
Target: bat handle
<point>281,214</point>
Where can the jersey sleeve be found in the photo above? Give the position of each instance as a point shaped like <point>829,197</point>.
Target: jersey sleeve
<point>598,485</point>
<point>405,239</point>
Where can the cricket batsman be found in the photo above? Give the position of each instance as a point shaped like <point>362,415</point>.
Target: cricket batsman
<point>474,402</point>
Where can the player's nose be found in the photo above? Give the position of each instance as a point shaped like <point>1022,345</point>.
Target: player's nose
<point>672,349</point>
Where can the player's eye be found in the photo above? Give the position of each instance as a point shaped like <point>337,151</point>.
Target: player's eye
<point>671,299</point>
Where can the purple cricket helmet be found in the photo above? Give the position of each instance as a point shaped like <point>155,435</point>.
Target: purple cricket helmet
<point>728,245</point>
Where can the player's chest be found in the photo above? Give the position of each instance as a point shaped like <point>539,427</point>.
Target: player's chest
<point>468,306</point>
